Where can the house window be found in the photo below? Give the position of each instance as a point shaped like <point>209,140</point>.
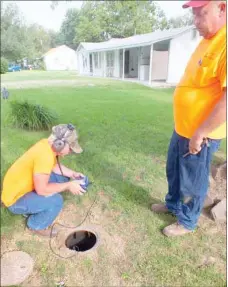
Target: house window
<point>84,61</point>
<point>97,60</point>
<point>110,59</point>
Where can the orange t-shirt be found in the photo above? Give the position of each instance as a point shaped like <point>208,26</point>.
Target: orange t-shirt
<point>19,178</point>
<point>201,87</point>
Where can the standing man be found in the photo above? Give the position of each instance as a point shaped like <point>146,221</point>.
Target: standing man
<point>200,119</point>
<point>33,184</point>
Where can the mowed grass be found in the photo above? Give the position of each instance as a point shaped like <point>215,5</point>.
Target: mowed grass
<point>124,130</point>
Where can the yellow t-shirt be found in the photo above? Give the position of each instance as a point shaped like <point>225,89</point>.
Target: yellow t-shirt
<point>19,178</point>
<point>201,87</point>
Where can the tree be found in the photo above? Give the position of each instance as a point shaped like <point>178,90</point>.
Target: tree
<point>101,20</point>
<point>19,40</point>
<point>3,66</point>
<point>181,21</point>
<point>68,28</point>
<point>13,33</point>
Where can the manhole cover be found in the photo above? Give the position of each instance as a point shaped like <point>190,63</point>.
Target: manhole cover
<point>16,266</point>
<point>81,240</point>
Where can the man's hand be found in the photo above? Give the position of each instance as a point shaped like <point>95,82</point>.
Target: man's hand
<point>195,143</point>
<point>75,188</point>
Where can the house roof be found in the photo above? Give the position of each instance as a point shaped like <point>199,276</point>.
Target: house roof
<point>135,41</point>
<point>57,48</point>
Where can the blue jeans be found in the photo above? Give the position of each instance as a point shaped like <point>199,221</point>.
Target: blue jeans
<point>188,179</point>
<point>42,210</point>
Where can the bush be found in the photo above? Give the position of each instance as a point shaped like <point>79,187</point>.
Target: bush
<point>29,116</point>
<point>4,65</point>
<point>42,65</point>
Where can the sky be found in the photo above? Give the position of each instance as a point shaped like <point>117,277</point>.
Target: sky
<point>40,11</point>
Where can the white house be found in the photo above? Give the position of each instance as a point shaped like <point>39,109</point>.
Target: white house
<point>60,58</point>
<point>157,56</point>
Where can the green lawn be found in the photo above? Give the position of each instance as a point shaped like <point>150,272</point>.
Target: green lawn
<point>125,130</point>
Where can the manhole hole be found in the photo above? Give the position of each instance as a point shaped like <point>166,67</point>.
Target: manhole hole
<point>81,240</point>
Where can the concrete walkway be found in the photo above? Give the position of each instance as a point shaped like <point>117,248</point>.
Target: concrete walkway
<point>79,81</point>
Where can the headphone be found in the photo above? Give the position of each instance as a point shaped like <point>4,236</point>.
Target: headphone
<point>59,144</point>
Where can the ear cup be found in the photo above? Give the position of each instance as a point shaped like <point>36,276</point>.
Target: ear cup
<point>58,145</point>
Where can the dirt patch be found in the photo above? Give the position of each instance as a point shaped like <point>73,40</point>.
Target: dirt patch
<point>218,181</point>
<point>109,252</point>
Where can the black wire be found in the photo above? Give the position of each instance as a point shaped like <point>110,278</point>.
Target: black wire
<point>63,225</point>
<point>57,158</point>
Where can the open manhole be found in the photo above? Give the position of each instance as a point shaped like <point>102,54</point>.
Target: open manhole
<point>81,240</point>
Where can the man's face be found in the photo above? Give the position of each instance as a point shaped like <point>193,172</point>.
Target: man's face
<point>66,150</point>
<point>207,19</point>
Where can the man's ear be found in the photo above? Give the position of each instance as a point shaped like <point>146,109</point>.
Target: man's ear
<point>222,7</point>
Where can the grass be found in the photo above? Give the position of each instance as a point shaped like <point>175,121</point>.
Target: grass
<point>125,130</point>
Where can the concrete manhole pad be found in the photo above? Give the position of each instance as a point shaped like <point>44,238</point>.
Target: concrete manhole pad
<point>16,266</point>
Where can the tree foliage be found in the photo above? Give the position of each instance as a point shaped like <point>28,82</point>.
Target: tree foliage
<point>98,21</point>
<point>19,40</point>
<point>181,21</point>
<point>4,66</point>
<point>68,28</point>
<point>101,20</point>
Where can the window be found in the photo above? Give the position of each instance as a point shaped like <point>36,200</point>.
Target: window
<point>110,59</point>
<point>84,61</point>
<point>97,60</point>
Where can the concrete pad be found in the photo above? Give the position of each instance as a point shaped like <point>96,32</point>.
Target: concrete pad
<point>218,212</point>
<point>16,266</point>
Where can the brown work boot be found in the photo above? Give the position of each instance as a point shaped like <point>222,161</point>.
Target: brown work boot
<point>176,229</point>
<point>159,208</point>
<point>45,232</point>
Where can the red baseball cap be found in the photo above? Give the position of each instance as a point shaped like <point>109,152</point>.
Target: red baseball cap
<point>195,4</point>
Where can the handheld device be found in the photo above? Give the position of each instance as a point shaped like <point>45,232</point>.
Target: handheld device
<point>84,182</point>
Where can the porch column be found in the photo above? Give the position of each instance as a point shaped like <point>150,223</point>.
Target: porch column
<point>139,62</point>
<point>104,68</point>
<point>151,58</point>
<point>123,63</point>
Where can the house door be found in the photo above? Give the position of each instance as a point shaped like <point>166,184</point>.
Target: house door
<point>127,62</point>
<point>91,63</point>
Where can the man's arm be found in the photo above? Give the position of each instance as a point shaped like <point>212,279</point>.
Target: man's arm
<point>42,187</point>
<point>215,119</point>
<point>66,171</point>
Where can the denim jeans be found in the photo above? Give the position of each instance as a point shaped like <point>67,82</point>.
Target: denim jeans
<point>41,210</point>
<point>188,179</point>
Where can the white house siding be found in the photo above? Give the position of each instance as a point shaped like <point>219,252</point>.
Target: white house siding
<point>62,58</point>
<point>159,68</point>
<point>181,49</point>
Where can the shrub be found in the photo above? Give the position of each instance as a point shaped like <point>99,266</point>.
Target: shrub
<point>42,65</point>
<point>30,116</point>
<point>4,65</point>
